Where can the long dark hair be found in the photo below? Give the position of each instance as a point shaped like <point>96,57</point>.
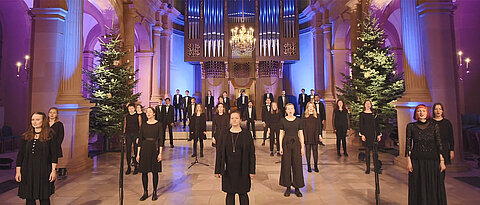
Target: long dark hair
<point>441,106</point>
<point>365,102</point>
<point>45,134</point>
<point>344,108</point>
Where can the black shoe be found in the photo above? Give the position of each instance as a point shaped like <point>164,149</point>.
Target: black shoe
<point>201,154</point>
<point>154,196</point>
<point>298,193</point>
<point>194,155</point>
<point>144,196</point>
<point>271,154</point>
<point>321,143</point>
<point>345,154</point>
<point>171,146</point>
<point>135,171</point>
<point>287,193</point>
<point>263,143</point>
<point>338,153</point>
<point>278,154</point>
<point>309,168</point>
<point>367,172</point>
<point>129,170</point>
<point>316,168</point>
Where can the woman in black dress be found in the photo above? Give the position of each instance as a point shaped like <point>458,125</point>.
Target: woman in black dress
<point>273,124</point>
<point>425,161</point>
<point>292,149</point>
<point>340,126</point>
<point>369,130</point>
<point>198,129</point>
<point>149,153</point>
<point>57,127</point>
<point>37,161</point>
<point>235,161</point>
<point>311,125</point>
<point>446,132</point>
<point>142,114</point>
<point>220,123</point>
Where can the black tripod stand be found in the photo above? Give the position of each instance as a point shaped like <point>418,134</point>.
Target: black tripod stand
<point>197,162</point>
<point>120,180</point>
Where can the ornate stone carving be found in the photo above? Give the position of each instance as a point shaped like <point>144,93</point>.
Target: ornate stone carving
<point>268,69</point>
<point>213,69</point>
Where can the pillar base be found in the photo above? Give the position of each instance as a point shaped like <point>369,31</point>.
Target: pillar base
<point>75,118</point>
<point>329,107</point>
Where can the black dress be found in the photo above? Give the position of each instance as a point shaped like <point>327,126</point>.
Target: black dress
<point>59,135</point>
<point>340,124</point>
<point>292,156</point>
<point>273,122</point>
<point>311,130</point>
<point>425,184</point>
<point>151,138</point>
<point>235,161</point>
<point>448,142</point>
<point>369,127</point>
<point>220,124</point>
<point>35,159</point>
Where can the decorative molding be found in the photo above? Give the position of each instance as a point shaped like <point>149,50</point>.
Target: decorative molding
<point>193,50</point>
<point>213,69</point>
<point>290,48</point>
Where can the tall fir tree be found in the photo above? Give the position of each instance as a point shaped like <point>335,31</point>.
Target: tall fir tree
<point>373,76</point>
<point>110,86</point>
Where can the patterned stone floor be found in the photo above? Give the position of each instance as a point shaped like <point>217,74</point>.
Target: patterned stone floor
<point>341,180</point>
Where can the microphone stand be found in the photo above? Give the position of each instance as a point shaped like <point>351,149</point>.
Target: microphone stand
<point>376,168</point>
<point>120,180</point>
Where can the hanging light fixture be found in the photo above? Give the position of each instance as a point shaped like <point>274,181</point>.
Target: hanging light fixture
<point>242,39</point>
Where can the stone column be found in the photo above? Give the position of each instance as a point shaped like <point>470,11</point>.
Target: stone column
<point>129,15</point>
<point>340,58</point>
<point>318,52</point>
<point>165,43</point>
<point>47,54</point>
<point>155,86</point>
<point>88,64</point>
<point>441,67</point>
<point>329,95</point>
<point>145,76</point>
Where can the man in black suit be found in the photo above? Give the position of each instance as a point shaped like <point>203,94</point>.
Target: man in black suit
<point>186,103</point>
<point>168,119</point>
<point>158,111</point>
<point>242,103</point>
<point>226,102</point>
<point>209,104</point>
<point>251,116</point>
<point>320,108</point>
<point>265,114</point>
<point>302,101</point>
<point>282,102</point>
<point>267,95</point>
<point>177,104</point>
<point>311,96</point>
<point>191,108</point>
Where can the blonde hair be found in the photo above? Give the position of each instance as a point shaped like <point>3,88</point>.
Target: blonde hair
<point>196,108</point>
<point>271,110</point>
<point>306,114</point>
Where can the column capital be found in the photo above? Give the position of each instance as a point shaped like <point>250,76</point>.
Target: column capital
<point>157,29</point>
<point>327,28</point>
<point>436,8</point>
<point>49,13</point>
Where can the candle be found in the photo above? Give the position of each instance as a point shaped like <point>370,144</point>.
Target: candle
<point>467,60</point>
<point>18,69</point>
<point>27,57</point>
<point>460,53</point>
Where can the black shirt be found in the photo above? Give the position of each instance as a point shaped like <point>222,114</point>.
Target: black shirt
<point>291,128</point>
<point>132,126</point>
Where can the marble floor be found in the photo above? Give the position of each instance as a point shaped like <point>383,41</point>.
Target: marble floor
<point>341,180</point>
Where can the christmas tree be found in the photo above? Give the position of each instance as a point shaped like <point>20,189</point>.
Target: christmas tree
<point>110,86</point>
<point>373,76</point>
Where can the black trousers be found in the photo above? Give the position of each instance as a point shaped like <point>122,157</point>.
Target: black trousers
<point>252,124</point>
<point>195,141</point>
<point>341,139</point>
<point>309,148</point>
<point>242,111</point>
<point>209,113</point>
<point>131,140</point>
<point>302,109</point>
<point>177,113</point>
<point>230,200</point>
<point>145,181</point>
<point>170,133</point>
<point>291,171</point>
<point>265,130</point>
<point>184,117</point>
<point>42,201</point>
<point>274,138</point>
<point>369,150</point>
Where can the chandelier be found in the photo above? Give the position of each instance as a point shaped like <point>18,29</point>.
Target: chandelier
<point>242,39</point>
